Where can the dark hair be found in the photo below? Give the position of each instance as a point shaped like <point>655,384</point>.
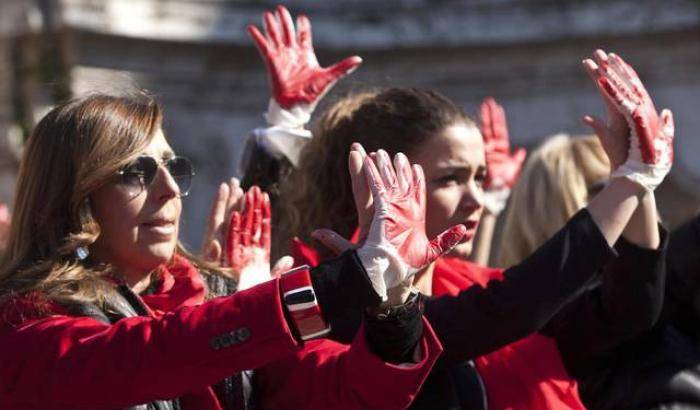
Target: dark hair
<point>318,194</point>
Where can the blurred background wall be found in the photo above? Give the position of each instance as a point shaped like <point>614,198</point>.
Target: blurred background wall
<point>196,56</point>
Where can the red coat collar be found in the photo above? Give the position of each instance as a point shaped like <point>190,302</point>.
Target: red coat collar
<point>180,285</point>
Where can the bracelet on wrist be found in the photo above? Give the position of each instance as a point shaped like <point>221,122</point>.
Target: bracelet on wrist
<point>300,299</point>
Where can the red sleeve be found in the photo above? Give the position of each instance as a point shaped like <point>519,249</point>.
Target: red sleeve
<point>80,363</point>
<point>330,375</point>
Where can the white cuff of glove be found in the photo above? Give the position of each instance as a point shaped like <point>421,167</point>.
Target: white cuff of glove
<point>283,142</point>
<point>383,266</point>
<point>495,200</point>
<point>286,135</point>
<point>295,117</point>
<point>647,175</point>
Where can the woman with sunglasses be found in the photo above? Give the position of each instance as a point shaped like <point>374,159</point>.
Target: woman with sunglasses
<point>102,308</point>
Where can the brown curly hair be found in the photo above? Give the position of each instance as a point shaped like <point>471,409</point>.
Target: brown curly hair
<point>318,194</point>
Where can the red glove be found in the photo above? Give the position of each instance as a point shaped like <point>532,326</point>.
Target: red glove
<point>249,241</point>
<point>503,167</point>
<point>396,246</point>
<point>651,136</point>
<point>293,70</point>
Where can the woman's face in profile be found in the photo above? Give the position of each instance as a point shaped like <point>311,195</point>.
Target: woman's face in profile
<point>138,230</point>
<point>455,168</point>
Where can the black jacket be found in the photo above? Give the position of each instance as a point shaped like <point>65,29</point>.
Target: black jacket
<point>575,289</point>
<point>659,369</point>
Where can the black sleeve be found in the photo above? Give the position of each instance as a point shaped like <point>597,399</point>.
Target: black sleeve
<point>625,303</point>
<point>480,320</point>
<point>393,336</point>
<point>343,290</point>
<point>682,306</point>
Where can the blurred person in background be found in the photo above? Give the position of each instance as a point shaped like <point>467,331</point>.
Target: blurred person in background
<point>559,178</point>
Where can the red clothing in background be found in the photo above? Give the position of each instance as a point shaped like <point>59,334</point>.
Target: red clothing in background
<point>527,374</point>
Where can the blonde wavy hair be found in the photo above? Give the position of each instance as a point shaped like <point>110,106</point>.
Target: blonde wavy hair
<point>75,149</point>
<point>557,180</point>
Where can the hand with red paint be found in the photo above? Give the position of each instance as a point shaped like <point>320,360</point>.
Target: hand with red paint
<point>294,72</point>
<point>228,198</point>
<point>503,166</point>
<point>249,240</point>
<point>396,246</point>
<point>646,155</point>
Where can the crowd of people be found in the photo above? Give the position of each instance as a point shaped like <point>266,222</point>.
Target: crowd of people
<point>380,221</point>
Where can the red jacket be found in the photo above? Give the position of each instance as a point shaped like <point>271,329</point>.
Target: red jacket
<point>70,362</point>
<point>330,375</point>
<point>527,374</point>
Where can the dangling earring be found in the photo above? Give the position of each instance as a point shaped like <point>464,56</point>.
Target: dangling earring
<point>85,215</point>
<point>82,252</point>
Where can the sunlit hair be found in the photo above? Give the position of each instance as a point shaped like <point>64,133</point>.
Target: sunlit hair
<point>75,149</point>
<point>319,194</point>
<point>557,181</point>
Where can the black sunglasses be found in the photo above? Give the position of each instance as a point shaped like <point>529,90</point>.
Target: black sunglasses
<point>140,174</point>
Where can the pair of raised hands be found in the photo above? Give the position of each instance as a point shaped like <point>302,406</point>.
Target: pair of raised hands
<point>238,235</point>
<point>638,141</point>
<point>391,203</point>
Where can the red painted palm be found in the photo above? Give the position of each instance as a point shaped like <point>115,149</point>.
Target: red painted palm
<point>503,167</point>
<point>293,69</point>
<point>651,135</point>
<point>397,245</point>
<point>248,241</point>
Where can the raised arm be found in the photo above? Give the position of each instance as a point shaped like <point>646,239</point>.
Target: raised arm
<point>503,168</point>
<point>630,295</point>
<point>646,156</point>
<point>298,83</point>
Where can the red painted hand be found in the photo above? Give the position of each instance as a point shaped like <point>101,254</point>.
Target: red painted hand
<point>503,167</point>
<point>399,212</point>
<point>293,70</point>
<point>650,154</point>
<point>248,242</point>
<point>396,246</point>
<point>623,86</point>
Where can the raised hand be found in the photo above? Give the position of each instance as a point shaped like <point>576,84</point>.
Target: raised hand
<point>249,240</point>
<point>293,70</point>
<point>228,198</point>
<point>649,154</point>
<point>503,166</point>
<point>396,246</point>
